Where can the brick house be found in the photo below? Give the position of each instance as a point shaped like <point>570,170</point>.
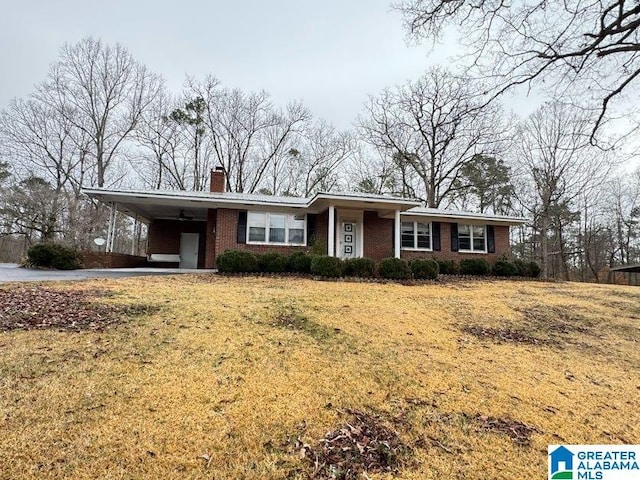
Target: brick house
<point>189,229</point>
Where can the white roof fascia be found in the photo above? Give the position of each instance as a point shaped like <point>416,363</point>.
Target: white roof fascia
<point>447,215</point>
<point>208,199</point>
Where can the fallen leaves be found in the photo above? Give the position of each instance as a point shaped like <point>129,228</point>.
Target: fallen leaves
<point>517,431</point>
<point>35,308</point>
<point>362,445</point>
<point>502,335</point>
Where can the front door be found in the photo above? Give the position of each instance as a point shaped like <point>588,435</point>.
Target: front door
<point>348,242</point>
<point>189,250</point>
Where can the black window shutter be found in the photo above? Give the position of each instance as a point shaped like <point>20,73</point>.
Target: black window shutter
<point>393,236</point>
<point>491,239</point>
<point>242,226</point>
<point>454,237</point>
<point>435,233</point>
<point>311,228</point>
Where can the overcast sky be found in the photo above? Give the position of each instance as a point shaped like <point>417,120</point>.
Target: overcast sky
<point>329,54</point>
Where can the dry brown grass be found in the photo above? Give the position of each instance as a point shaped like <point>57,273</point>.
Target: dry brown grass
<point>221,380</point>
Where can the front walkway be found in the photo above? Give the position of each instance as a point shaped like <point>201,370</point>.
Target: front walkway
<point>11,272</point>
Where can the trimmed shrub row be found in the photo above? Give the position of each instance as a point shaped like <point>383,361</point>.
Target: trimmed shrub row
<point>53,255</point>
<point>242,261</point>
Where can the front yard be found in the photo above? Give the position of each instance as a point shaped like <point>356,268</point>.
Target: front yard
<point>262,378</point>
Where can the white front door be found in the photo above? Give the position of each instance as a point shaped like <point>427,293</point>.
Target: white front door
<point>189,250</point>
<point>348,244</point>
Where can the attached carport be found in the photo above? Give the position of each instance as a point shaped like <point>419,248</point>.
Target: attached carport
<point>631,272</point>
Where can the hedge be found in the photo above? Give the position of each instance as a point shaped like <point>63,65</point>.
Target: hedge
<point>359,267</point>
<point>237,261</point>
<point>53,255</point>
<point>299,262</point>
<point>448,267</point>
<point>526,269</point>
<point>424,268</point>
<point>272,262</point>
<point>504,268</point>
<point>474,266</point>
<point>394,268</point>
<point>326,266</point>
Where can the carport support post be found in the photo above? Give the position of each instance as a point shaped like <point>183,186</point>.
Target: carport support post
<point>396,236</point>
<point>134,236</point>
<point>111,228</point>
<point>332,232</point>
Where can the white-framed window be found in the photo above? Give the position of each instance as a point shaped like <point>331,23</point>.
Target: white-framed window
<point>415,235</point>
<point>472,238</point>
<point>276,228</point>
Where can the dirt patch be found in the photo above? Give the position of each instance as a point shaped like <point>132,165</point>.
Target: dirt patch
<point>37,308</point>
<point>503,335</point>
<point>363,445</point>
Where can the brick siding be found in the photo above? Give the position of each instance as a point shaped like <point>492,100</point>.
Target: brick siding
<point>378,236</point>
<point>164,237</point>
<point>111,260</point>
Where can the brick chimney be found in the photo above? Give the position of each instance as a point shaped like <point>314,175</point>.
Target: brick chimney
<point>218,180</point>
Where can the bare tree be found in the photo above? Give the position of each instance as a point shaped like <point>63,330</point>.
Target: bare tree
<point>39,139</point>
<point>161,146</point>
<point>105,92</point>
<point>592,46</point>
<point>557,165</point>
<point>315,162</point>
<point>371,170</point>
<point>247,132</point>
<point>431,128</point>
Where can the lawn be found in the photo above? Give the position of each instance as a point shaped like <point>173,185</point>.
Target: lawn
<point>209,377</point>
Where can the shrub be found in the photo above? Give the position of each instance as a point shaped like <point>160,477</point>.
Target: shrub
<point>448,267</point>
<point>526,269</point>
<point>299,262</point>
<point>237,261</point>
<point>272,262</point>
<point>318,246</point>
<point>359,267</point>
<point>474,266</point>
<point>394,268</point>
<point>534,269</point>
<point>504,268</point>
<point>53,255</point>
<point>521,268</point>
<point>326,266</point>
<point>424,268</point>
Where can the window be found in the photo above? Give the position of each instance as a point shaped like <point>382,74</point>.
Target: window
<point>296,229</point>
<point>472,238</point>
<point>415,235</point>
<point>277,228</point>
<point>257,227</point>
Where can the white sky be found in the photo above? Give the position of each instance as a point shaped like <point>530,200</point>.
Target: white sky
<point>329,54</point>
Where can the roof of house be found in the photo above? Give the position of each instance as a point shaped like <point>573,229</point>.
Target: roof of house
<point>148,205</point>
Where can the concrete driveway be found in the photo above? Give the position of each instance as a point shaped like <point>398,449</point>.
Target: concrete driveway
<point>11,272</point>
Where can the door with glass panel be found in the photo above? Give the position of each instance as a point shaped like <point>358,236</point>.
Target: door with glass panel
<point>348,239</point>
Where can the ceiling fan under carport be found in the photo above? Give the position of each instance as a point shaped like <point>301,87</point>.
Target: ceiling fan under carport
<point>182,217</point>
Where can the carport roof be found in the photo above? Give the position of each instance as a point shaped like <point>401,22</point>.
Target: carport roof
<point>627,268</point>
